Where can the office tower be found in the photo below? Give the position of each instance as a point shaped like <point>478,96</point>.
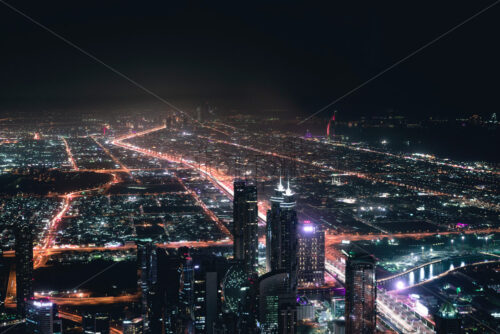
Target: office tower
<point>24,265</point>
<point>209,272</point>
<point>360,293</point>
<point>448,320</point>
<point>40,316</point>
<point>245,225</point>
<point>287,238</point>
<point>272,228</point>
<point>148,279</point>
<point>186,292</point>
<point>95,323</point>
<point>311,254</point>
<point>277,304</point>
<point>133,326</point>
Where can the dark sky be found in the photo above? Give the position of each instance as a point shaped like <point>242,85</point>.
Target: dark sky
<point>252,56</point>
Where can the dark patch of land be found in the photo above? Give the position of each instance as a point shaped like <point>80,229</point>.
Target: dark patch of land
<point>49,182</point>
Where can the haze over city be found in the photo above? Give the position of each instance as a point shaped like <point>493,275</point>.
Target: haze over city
<point>266,167</point>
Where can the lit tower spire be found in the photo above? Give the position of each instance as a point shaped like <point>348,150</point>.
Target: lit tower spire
<point>280,186</point>
<point>288,191</point>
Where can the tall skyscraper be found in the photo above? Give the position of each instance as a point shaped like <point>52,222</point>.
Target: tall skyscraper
<point>277,311</point>
<point>286,239</point>
<point>360,293</point>
<point>272,228</point>
<point>40,317</point>
<point>245,225</point>
<point>186,292</point>
<point>311,254</point>
<point>148,278</point>
<point>24,265</point>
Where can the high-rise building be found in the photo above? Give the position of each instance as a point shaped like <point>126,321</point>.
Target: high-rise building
<point>277,304</point>
<point>95,323</point>
<point>24,265</point>
<point>448,320</point>
<point>311,254</point>
<point>40,317</point>
<point>186,292</point>
<point>272,228</point>
<point>360,293</point>
<point>245,225</point>
<point>148,278</point>
<point>287,238</point>
<point>133,326</point>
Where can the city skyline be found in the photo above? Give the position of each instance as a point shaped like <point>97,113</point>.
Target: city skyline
<point>265,168</point>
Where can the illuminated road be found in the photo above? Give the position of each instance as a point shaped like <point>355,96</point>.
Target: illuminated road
<point>116,161</point>
<point>70,155</point>
<point>422,158</point>
<point>86,301</point>
<point>78,319</point>
<point>471,202</point>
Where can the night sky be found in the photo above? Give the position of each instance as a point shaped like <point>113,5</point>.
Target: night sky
<point>252,56</point>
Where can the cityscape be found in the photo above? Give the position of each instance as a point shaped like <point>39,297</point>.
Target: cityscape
<point>215,218</point>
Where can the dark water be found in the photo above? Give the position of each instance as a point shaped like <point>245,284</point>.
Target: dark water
<point>453,142</point>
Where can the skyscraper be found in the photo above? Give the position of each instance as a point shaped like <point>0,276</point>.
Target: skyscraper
<point>186,292</point>
<point>148,277</point>
<point>360,293</point>
<point>24,265</point>
<point>245,225</point>
<point>277,311</point>
<point>272,228</point>
<point>311,254</point>
<point>286,239</point>
<point>40,317</point>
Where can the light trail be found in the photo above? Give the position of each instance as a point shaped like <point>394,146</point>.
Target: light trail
<point>86,301</point>
<point>41,257</point>
<point>70,155</point>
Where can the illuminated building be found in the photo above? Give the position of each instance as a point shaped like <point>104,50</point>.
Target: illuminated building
<point>311,254</point>
<point>234,288</point>
<point>287,238</point>
<point>360,293</point>
<point>186,292</point>
<point>448,320</point>
<point>245,225</point>
<point>40,316</point>
<point>272,226</point>
<point>148,277</point>
<point>24,265</point>
<point>208,271</point>
<point>133,326</point>
<point>277,304</point>
<point>95,323</point>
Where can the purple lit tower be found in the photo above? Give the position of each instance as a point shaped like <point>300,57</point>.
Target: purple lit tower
<point>310,254</point>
